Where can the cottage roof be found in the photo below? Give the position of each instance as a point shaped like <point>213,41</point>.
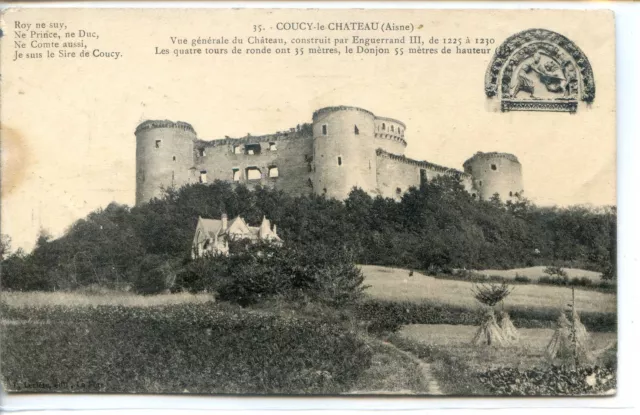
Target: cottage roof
<point>210,226</point>
<point>236,227</point>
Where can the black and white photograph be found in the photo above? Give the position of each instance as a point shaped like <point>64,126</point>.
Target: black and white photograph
<point>300,202</point>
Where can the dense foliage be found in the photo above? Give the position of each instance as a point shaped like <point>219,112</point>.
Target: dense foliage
<point>436,228</point>
<point>550,381</point>
<point>206,348</point>
<point>257,272</point>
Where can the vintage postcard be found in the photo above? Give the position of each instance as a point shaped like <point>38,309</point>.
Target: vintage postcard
<point>308,202</point>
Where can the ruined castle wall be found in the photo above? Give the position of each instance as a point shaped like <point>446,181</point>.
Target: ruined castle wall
<point>236,160</point>
<point>344,151</point>
<point>164,153</point>
<point>492,173</point>
<point>395,175</point>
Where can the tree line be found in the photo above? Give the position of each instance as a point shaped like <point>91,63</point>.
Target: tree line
<point>436,228</point>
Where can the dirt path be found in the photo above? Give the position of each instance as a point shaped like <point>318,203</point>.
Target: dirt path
<point>425,370</point>
<point>432,384</point>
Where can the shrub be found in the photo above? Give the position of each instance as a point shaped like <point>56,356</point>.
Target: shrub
<point>199,348</point>
<point>554,271</point>
<point>522,279</point>
<point>553,380</point>
<point>156,275</point>
<point>257,272</point>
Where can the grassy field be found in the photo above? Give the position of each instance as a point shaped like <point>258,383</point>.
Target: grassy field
<point>114,298</point>
<point>395,284</point>
<point>532,344</point>
<point>456,363</point>
<point>534,273</point>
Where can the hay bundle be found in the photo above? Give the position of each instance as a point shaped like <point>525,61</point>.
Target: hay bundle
<point>489,333</point>
<point>570,341</point>
<point>509,331</point>
<point>560,344</point>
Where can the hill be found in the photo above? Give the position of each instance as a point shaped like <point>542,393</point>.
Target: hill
<point>437,228</point>
<point>395,284</point>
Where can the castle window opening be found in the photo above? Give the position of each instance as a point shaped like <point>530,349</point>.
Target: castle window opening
<point>310,183</point>
<point>494,167</point>
<point>158,143</point>
<point>253,173</point>
<point>252,149</point>
<point>237,149</point>
<point>392,128</point>
<point>384,126</point>
<point>339,161</point>
<point>480,183</point>
<point>236,175</point>
<point>398,190</point>
<point>273,172</point>
<point>272,147</point>
<point>174,158</point>
<point>324,129</point>
<point>510,193</point>
<point>203,176</point>
<point>201,152</point>
<point>355,130</point>
<point>473,195</point>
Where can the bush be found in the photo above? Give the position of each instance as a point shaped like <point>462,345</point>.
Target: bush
<point>522,279</point>
<point>554,271</point>
<point>554,380</point>
<point>199,348</point>
<point>156,275</point>
<point>256,272</point>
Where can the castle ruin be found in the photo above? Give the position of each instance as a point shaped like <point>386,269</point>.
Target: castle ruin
<point>343,148</point>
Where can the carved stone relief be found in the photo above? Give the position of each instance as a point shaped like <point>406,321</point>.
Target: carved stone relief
<point>539,70</point>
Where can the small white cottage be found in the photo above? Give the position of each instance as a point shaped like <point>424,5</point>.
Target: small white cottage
<point>213,235</point>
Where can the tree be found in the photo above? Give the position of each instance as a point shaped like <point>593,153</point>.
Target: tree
<point>5,246</point>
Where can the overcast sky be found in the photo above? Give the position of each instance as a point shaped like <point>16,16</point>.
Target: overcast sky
<point>69,147</point>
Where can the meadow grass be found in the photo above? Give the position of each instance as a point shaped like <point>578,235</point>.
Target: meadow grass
<point>534,273</point>
<point>106,297</point>
<point>456,363</point>
<point>395,284</point>
<point>391,372</point>
<point>188,347</point>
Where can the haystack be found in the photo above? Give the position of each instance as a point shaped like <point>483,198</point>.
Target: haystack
<point>582,338</point>
<point>560,344</point>
<point>489,333</point>
<point>570,340</point>
<point>509,331</point>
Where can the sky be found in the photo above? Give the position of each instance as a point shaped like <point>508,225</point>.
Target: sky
<point>68,145</point>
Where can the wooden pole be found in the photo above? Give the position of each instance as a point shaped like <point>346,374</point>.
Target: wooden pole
<point>573,326</point>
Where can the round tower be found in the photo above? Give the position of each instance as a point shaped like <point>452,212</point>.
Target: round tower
<point>389,135</point>
<point>164,156</point>
<point>344,151</point>
<point>493,173</point>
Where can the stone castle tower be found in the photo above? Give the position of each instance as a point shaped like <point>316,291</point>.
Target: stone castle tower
<point>343,148</point>
<point>493,173</point>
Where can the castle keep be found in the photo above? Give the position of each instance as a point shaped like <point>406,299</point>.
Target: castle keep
<point>342,148</point>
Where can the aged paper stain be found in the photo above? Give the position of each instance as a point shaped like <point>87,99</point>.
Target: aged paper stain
<point>15,159</point>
